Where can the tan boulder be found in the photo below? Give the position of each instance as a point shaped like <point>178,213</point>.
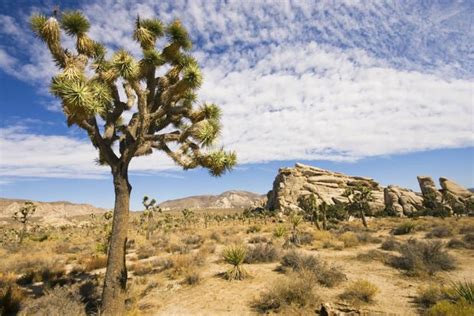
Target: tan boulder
<point>454,188</point>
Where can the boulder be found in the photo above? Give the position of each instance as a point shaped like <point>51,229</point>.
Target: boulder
<point>454,188</point>
<point>428,188</point>
<point>402,201</point>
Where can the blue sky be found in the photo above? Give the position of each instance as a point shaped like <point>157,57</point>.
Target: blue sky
<point>372,88</point>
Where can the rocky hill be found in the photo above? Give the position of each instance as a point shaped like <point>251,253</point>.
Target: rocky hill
<point>226,200</point>
<point>53,213</point>
<point>328,186</point>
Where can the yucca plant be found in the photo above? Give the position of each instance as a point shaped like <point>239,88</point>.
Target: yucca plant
<point>235,256</point>
<point>463,290</point>
<point>163,116</point>
<point>280,231</point>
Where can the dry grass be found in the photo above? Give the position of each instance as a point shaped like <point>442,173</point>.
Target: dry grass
<point>360,291</point>
<point>261,253</point>
<point>349,239</point>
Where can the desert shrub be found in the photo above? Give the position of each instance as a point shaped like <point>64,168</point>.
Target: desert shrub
<point>469,240</point>
<point>305,238</point>
<point>235,256</point>
<point>262,252</point>
<point>366,237</point>
<point>404,228</point>
<point>349,239</point>
<point>163,264</point>
<point>48,272</point>
<point>254,229</point>
<point>456,244</point>
<point>440,232</point>
<point>372,255</point>
<point>142,268</point>
<point>280,231</point>
<point>208,247</point>
<point>390,244</point>
<point>11,297</point>
<point>57,301</point>
<point>324,274</point>
<point>177,248</point>
<point>195,241</point>
<point>145,252</point>
<point>449,308</point>
<point>258,239</point>
<point>418,257</point>
<point>295,291</point>
<point>94,263</point>
<point>192,277</point>
<point>463,291</point>
<point>360,291</point>
<point>216,237</point>
<point>466,229</point>
<point>182,264</point>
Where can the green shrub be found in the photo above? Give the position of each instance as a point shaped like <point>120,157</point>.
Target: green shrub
<point>404,228</point>
<point>262,252</point>
<point>280,231</point>
<point>469,240</point>
<point>419,258</point>
<point>235,256</point>
<point>360,291</point>
<point>449,308</point>
<point>456,244</point>
<point>464,290</point>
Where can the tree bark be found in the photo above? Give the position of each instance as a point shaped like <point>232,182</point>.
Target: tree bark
<point>115,284</point>
<point>364,221</point>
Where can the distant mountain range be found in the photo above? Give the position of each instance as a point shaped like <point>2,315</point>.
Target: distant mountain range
<point>226,200</point>
<point>53,213</point>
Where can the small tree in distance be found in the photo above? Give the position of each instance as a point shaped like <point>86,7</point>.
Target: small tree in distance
<point>23,216</point>
<point>164,116</point>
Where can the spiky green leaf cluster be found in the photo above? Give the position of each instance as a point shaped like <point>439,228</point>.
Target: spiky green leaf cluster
<point>219,162</point>
<point>45,28</point>
<point>211,111</point>
<point>155,26</point>
<point>206,131</point>
<point>37,23</point>
<point>177,34</point>
<point>192,76</point>
<point>147,31</point>
<point>152,57</point>
<point>74,23</point>
<point>125,65</point>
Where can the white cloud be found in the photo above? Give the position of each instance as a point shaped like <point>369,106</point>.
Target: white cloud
<point>295,81</point>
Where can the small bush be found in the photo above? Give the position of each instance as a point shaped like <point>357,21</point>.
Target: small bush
<point>456,244</point>
<point>449,308</point>
<point>349,239</point>
<point>195,241</point>
<point>360,291</point>
<point>466,229</point>
<point>440,232</point>
<point>296,290</point>
<point>469,240</point>
<point>258,239</point>
<point>365,237</point>
<point>326,275</point>
<point>390,244</point>
<point>404,228</point>
<point>372,255</point>
<point>262,253</point>
<point>419,257</point>
<point>95,262</point>
<point>192,277</point>
<point>254,229</point>
<point>305,238</point>
<point>216,237</point>
<point>58,301</point>
<point>280,231</point>
<point>140,268</point>
<point>428,296</point>
<point>182,264</point>
<point>235,256</point>
<point>464,291</point>
<point>145,252</point>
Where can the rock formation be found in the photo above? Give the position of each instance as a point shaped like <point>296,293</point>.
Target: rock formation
<point>402,201</point>
<point>328,186</point>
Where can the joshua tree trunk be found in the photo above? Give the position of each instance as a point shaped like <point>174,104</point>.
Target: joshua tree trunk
<point>325,222</point>
<point>113,295</point>
<point>316,219</point>
<point>362,216</point>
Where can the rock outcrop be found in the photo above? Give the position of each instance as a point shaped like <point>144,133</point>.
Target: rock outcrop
<point>328,186</point>
<point>402,201</point>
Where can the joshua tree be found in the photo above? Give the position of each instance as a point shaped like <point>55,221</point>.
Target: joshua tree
<point>309,204</point>
<point>163,118</point>
<point>23,216</point>
<point>359,198</point>
<point>148,215</point>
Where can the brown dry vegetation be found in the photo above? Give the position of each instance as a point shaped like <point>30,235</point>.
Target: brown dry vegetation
<point>179,270</point>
